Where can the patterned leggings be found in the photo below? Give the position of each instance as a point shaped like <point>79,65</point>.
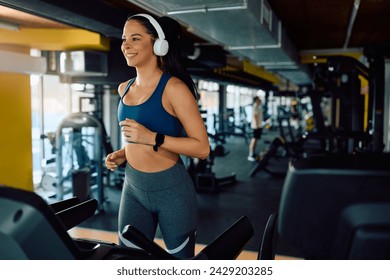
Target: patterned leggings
<point>166,198</point>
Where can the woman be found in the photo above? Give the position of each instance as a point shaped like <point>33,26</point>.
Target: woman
<point>160,120</point>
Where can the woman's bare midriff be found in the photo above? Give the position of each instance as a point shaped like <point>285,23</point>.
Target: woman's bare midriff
<point>143,158</point>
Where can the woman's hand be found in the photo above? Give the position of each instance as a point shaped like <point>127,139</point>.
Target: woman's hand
<point>115,159</point>
<point>135,132</point>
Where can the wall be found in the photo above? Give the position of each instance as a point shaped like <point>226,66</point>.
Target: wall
<point>15,135</point>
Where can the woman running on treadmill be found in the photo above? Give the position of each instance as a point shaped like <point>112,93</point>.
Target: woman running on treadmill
<point>159,117</point>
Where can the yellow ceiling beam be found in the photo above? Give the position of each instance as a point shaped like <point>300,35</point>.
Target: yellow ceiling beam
<point>260,72</point>
<point>320,56</point>
<point>245,66</point>
<point>55,39</point>
<point>311,59</point>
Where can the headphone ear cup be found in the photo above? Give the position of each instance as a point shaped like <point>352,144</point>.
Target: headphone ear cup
<point>161,47</point>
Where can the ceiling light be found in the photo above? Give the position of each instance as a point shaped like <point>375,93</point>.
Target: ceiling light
<point>206,9</point>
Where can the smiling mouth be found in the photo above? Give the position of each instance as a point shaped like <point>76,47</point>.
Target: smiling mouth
<point>130,54</point>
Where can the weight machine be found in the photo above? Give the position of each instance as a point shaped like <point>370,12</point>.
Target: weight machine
<point>79,157</point>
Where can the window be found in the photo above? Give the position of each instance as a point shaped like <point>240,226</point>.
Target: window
<point>50,103</point>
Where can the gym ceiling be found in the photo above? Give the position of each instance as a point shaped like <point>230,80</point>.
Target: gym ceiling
<point>259,43</point>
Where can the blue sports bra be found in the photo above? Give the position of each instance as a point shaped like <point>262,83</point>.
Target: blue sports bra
<point>151,113</point>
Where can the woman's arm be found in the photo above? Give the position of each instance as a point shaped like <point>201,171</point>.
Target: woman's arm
<point>114,159</point>
<point>183,105</point>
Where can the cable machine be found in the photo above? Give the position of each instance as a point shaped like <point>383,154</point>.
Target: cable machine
<point>79,157</point>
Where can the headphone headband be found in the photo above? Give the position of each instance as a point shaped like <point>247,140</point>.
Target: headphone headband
<point>155,24</point>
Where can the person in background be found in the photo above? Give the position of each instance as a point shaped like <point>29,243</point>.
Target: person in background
<point>256,125</point>
<point>160,120</point>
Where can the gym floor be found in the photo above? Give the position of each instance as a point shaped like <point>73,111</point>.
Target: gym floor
<point>255,197</point>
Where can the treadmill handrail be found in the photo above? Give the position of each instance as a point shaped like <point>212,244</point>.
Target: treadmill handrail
<point>77,214</point>
<point>226,246</point>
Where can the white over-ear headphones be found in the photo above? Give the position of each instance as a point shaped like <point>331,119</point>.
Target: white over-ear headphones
<point>161,45</point>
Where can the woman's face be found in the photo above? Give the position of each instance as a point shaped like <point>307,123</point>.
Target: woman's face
<point>137,44</point>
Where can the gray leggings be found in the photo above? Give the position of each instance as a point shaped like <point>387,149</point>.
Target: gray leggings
<point>167,198</point>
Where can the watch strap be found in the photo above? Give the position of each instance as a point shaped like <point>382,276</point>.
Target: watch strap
<point>159,141</point>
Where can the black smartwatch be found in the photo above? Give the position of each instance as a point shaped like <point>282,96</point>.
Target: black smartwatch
<point>159,141</point>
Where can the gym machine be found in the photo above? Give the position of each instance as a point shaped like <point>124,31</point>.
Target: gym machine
<point>79,157</point>
<point>339,80</point>
<point>203,176</point>
<point>32,229</point>
<point>333,206</point>
<point>286,145</point>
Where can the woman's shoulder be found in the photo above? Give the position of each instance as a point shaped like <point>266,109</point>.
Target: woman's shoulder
<point>174,80</point>
<point>122,86</point>
<point>174,84</point>
<point>177,91</point>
